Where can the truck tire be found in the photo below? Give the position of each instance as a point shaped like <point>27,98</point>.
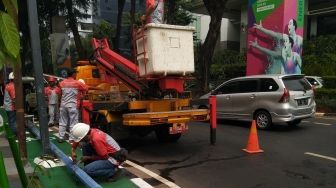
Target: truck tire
<point>162,134</point>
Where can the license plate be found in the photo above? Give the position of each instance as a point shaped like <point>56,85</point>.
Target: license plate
<point>178,128</point>
<point>302,102</point>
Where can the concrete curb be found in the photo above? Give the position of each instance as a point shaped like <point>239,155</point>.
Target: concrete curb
<point>319,114</point>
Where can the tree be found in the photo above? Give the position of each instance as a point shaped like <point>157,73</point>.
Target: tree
<point>10,54</point>
<point>216,9</point>
<point>73,14</point>
<point>177,12</point>
<point>121,5</point>
<point>73,10</point>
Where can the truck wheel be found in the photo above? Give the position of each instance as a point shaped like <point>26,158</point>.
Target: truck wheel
<point>263,120</point>
<point>162,134</point>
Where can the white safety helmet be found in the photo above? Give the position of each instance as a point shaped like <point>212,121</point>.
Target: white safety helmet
<point>11,76</point>
<point>81,80</point>
<point>79,131</point>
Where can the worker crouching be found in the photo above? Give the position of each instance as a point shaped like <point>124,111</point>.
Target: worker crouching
<point>101,153</point>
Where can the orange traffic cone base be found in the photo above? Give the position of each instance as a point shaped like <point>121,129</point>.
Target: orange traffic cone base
<point>254,151</point>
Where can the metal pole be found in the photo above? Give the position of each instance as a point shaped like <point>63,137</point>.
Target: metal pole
<point>3,175</point>
<point>83,177</point>
<point>37,59</point>
<point>213,119</point>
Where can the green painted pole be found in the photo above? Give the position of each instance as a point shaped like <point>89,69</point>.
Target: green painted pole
<point>16,154</point>
<point>3,175</point>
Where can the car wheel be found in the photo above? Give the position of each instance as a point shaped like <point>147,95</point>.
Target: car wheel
<point>263,120</point>
<point>162,134</point>
<point>294,123</point>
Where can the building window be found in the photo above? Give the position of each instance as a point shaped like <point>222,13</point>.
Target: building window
<point>86,26</point>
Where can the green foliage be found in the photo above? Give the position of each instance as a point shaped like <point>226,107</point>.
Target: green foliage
<point>227,64</point>
<point>323,93</point>
<point>228,57</point>
<point>220,73</point>
<point>320,50</point>
<point>104,30</point>
<point>9,35</point>
<point>11,7</point>
<point>319,69</point>
<point>180,14</point>
<point>326,105</point>
<point>2,59</point>
<point>319,57</point>
<point>329,82</point>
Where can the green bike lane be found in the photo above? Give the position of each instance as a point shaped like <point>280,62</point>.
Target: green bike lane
<point>60,176</point>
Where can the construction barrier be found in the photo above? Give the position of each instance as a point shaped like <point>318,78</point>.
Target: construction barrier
<point>3,175</point>
<point>213,119</point>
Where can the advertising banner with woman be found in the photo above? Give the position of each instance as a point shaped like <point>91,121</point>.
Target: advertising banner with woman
<point>275,30</point>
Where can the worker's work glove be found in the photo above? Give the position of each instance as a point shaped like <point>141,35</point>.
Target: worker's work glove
<point>74,156</point>
<point>143,18</point>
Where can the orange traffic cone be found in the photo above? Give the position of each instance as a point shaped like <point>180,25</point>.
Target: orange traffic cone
<point>253,143</point>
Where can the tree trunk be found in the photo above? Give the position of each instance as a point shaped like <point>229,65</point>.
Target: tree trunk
<point>20,122</point>
<point>121,4</point>
<point>216,10</point>
<point>19,105</point>
<point>132,13</point>
<point>73,26</point>
<point>171,9</point>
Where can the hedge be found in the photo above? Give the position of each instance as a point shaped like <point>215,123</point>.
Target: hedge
<point>323,93</point>
<point>329,82</point>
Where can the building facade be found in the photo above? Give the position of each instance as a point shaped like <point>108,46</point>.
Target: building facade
<point>320,19</point>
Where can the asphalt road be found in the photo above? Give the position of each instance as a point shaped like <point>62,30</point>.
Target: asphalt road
<point>303,156</point>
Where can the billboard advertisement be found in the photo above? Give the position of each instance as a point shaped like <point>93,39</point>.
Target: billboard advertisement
<point>275,30</point>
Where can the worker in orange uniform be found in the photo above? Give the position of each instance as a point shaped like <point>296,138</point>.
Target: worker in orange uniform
<point>101,153</point>
<point>9,102</point>
<point>72,90</point>
<point>154,12</point>
<point>53,92</point>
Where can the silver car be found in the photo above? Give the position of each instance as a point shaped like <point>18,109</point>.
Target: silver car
<point>315,81</point>
<point>266,98</point>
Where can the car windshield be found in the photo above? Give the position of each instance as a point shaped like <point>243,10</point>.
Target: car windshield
<point>296,83</point>
<point>320,79</point>
<point>312,81</point>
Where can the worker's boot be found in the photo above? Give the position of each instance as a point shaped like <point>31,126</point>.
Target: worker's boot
<point>119,173</point>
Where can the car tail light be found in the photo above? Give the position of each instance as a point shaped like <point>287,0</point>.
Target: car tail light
<point>285,96</point>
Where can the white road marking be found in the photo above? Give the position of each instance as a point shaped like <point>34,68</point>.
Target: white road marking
<point>330,118</point>
<point>320,156</point>
<point>152,174</point>
<point>141,183</point>
<point>322,123</point>
<point>318,123</point>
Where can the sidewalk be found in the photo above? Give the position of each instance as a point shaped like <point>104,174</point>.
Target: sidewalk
<point>319,114</point>
<point>12,173</point>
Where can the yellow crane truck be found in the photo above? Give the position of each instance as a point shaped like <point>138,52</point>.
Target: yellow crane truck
<point>138,98</point>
